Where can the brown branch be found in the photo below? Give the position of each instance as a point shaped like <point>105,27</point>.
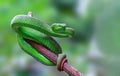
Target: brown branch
<point>53,57</point>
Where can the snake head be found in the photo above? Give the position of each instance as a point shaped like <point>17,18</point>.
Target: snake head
<point>62,28</point>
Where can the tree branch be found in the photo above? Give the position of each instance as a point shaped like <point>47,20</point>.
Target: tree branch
<point>53,57</point>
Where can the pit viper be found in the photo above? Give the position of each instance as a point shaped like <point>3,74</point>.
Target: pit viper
<point>29,27</point>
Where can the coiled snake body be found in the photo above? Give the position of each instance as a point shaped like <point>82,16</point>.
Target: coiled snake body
<point>28,27</point>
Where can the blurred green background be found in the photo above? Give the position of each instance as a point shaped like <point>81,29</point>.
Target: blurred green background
<point>94,50</point>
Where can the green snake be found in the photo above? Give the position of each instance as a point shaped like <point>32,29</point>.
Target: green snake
<point>29,27</point>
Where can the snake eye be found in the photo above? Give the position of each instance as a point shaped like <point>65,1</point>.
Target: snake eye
<point>58,27</point>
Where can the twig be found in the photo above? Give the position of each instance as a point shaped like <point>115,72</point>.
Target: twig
<point>53,57</point>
